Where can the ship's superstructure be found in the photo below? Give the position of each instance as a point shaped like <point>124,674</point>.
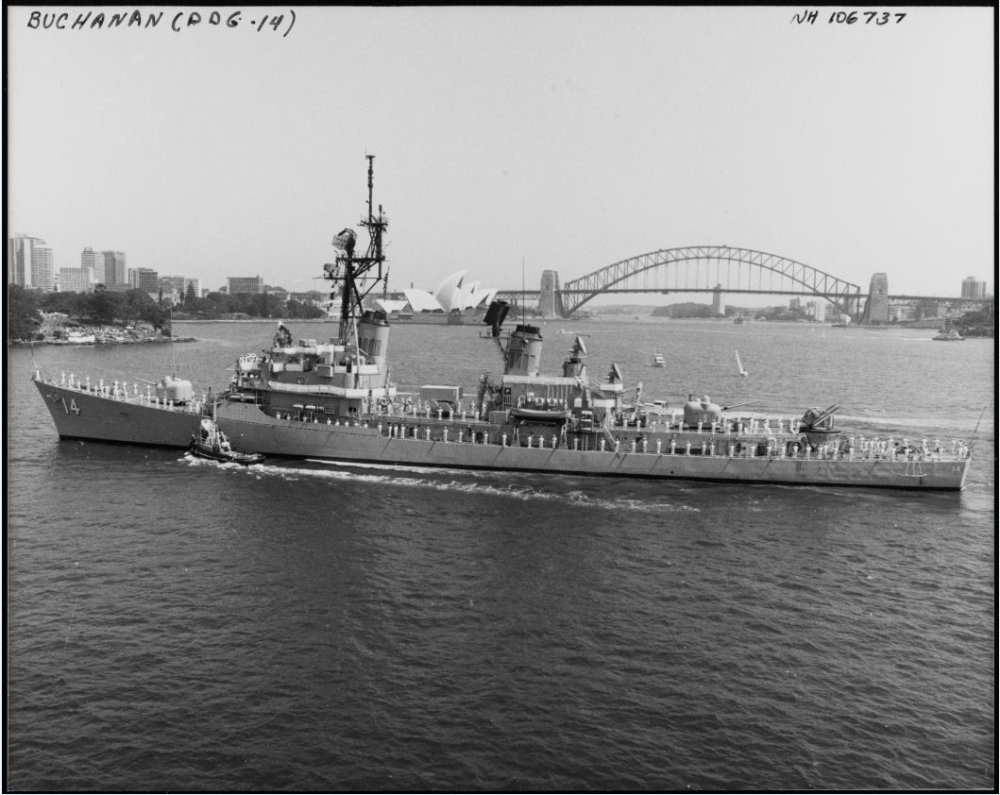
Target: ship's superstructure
<point>348,375</point>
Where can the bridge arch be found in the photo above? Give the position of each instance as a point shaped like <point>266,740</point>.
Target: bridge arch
<point>715,267</point>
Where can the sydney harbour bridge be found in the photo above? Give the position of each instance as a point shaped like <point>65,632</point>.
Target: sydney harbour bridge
<point>720,270</point>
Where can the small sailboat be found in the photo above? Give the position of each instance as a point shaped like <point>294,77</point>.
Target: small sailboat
<point>658,360</point>
<point>739,364</point>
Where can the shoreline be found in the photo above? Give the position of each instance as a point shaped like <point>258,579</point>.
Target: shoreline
<point>257,320</point>
<point>64,343</point>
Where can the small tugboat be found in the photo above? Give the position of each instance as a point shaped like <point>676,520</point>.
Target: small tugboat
<point>211,443</point>
<point>948,333</point>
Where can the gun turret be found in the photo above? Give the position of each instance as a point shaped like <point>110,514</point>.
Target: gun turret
<point>816,420</point>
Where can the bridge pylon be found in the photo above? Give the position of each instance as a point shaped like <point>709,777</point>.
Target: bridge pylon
<point>717,300</point>
<point>550,303</point>
<point>876,312</point>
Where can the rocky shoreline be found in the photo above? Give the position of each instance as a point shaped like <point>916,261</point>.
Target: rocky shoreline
<point>151,341</point>
<point>59,329</point>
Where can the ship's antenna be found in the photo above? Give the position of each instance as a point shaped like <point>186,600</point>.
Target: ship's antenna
<point>371,161</point>
<point>523,297</point>
<point>375,230</point>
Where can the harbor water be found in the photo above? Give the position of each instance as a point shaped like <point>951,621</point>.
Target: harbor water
<point>178,624</point>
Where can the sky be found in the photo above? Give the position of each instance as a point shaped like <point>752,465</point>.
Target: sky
<point>563,138</point>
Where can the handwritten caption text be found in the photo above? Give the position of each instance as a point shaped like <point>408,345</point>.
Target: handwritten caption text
<point>849,17</point>
<point>176,21</point>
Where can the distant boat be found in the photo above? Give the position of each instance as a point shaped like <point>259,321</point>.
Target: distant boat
<point>658,360</point>
<point>948,334</point>
<point>739,319</point>
<point>81,339</point>
<point>739,364</point>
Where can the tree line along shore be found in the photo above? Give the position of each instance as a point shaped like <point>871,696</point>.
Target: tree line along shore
<point>38,317</point>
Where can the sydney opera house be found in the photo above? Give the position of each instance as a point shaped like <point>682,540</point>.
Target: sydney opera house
<point>453,302</point>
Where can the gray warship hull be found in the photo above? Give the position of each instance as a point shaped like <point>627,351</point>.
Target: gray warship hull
<point>81,413</point>
<point>460,444</point>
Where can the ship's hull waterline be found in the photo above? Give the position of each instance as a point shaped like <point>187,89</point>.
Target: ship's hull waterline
<point>82,414</point>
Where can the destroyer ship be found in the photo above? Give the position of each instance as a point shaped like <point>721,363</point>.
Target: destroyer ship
<point>334,400</point>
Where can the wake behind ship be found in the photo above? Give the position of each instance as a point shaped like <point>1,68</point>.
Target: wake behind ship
<point>334,400</point>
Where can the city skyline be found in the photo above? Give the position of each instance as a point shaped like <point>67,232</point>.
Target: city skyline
<point>91,270</point>
<point>95,261</point>
<point>566,139</point>
<point>23,267</point>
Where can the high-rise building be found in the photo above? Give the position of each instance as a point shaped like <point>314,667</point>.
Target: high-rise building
<point>19,259</point>
<point>816,310</point>
<point>115,272</point>
<point>172,288</point>
<point>76,280</point>
<point>172,285</point>
<point>244,284</point>
<point>179,285</point>
<point>94,260</point>
<point>43,272</point>
<point>145,279</point>
<point>973,288</point>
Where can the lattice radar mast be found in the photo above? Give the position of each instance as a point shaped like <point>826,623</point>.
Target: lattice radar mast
<point>358,276</point>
